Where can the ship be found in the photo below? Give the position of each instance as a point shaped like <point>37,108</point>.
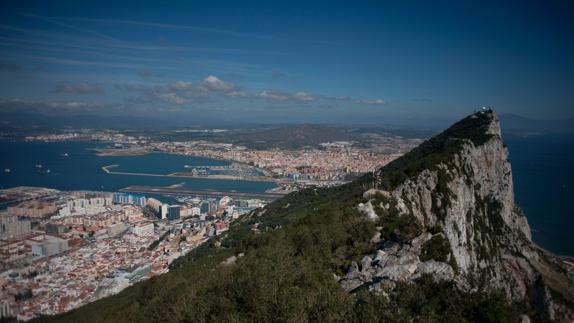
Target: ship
<point>43,171</point>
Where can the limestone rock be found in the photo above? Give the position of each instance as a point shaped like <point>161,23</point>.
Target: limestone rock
<point>373,192</point>
<point>468,197</point>
<point>438,270</point>
<point>367,209</point>
<point>366,263</point>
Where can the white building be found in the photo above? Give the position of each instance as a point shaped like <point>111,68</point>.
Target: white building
<point>225,201</point>
<point>49,246</point>
<point>154,204</point>
<point>13,226</point>
<point>143,229</point>
<point>83,206</point>
<point>163,211</point>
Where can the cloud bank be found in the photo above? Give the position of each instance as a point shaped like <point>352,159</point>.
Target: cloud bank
<point>186,92</point>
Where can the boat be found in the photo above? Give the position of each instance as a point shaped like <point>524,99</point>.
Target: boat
<point>64,155</point>
<point>43,171</point>
<point>38,165</point>
<point>7,170</point>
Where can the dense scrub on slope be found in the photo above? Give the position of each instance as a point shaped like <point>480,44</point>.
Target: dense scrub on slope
<point>438,149</point>
<point>289,256</point>
<point>437,248</point>
<point>287,274</point>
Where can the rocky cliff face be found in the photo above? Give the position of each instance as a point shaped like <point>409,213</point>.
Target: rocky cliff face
<point>447,209</point>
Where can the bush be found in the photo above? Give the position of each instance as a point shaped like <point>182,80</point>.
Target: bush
<point>437,248</point>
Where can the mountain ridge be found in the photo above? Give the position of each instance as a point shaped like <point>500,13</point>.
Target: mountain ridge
<point>432,236</point>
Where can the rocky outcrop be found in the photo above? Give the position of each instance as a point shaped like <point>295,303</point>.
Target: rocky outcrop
<point>462,225</point>
<point>395,262</point>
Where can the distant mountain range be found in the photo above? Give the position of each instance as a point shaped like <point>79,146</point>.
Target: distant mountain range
<point>13,121</point>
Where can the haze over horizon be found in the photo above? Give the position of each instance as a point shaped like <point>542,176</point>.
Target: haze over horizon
<point>329,62</point>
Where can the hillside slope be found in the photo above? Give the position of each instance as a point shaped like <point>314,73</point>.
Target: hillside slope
<point>433,236</point>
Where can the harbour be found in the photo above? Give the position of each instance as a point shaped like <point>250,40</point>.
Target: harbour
<point>82,169</point>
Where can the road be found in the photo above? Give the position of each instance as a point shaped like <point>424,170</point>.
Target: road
<point>108,170</point>
<point>185,192</point>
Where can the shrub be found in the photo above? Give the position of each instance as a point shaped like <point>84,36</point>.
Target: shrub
<point>437,248</point>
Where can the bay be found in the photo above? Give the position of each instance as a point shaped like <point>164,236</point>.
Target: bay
<point>81,169</point>
<point>543,173</point>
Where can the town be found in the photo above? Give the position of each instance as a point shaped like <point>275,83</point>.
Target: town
<point>326,164</point>
<point>59,250</point>
<point>63,249</point>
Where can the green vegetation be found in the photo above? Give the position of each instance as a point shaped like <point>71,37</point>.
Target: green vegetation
<point>287,274</point>
<point>294,136</point>
<point>396,227</point>
<point>428,301</point>
<point>287,271</point>
<point>437,248</point>
<point>399,228</point>
<point>439,149</point>
<point>489,225</point>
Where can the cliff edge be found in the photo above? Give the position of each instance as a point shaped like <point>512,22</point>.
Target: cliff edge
<point>447,209</point>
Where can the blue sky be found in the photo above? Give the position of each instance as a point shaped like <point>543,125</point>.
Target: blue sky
<point>335,61</point>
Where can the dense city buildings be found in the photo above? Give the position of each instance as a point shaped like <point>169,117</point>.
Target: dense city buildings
<point>328,163</point>
<point>94,244</point>
<point>59,250</point>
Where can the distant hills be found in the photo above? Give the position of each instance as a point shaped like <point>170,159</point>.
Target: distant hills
<point>310,135</point>
<point>255,136</point>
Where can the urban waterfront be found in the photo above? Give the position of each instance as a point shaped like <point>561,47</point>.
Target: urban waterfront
<point>75,166</point>
<point>85,240</point>
<point>543,197</point>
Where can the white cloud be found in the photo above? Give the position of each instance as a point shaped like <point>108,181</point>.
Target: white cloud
<point>185,92</point>
<point>303,97</point>
<point>181,85</point>
<point>72,104</point>
<point>239,94</point>
<point>371,102</point>
<point>23,104</point>
<point>173,98</point>
<point>273,95</point>
<point>215,84</point>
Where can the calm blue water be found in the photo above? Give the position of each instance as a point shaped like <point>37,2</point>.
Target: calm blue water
<point>81,170</point>
<point>543,170</point>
